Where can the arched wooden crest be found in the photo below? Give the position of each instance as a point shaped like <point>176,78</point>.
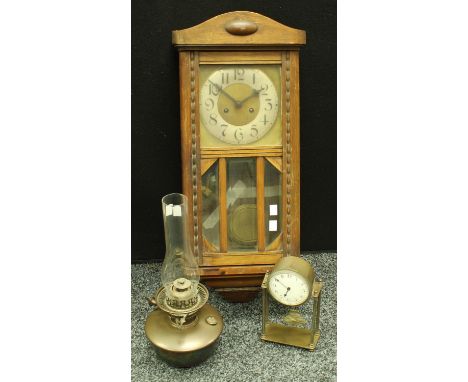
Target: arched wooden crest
<point>240,28</point>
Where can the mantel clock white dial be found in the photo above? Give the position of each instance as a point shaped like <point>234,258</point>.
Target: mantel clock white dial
<point>291,280</point>
<point>288,288</point>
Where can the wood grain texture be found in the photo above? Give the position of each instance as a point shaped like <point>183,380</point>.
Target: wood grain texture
<point>240,27</point>
<point>228,57</point>
<point>241,259</point>
<point>205,164</point>
<point>241,151</point>
<point>295,156</point>
<point>208,247</point>
<point>234,270</point>
<point>235,281</point>
<point>186,135</point>
<point>291,158</point>
<point>242,294</point>
<point>212,33</point>
<point>277,162</point>
<point>276,244</point>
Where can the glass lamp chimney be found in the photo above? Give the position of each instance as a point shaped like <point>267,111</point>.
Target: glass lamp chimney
<point>180,274</point>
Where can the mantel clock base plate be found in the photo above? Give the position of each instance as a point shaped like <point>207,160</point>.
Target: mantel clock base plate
<point>293,336</point>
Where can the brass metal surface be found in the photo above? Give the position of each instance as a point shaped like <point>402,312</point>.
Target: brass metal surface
<point>294,317</point>
<point>296,265</point>
<point>242,114</point>
<point>290,334</point>
<point>243,224</point>
<point>184,347</point>
<point>162,302</point>
<point>293,336</point>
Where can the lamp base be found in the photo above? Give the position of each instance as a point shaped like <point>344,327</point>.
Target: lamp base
<point>187,346</point>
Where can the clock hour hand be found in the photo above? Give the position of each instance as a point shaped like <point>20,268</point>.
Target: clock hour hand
<point>236,102</point>
<point>254,93</point>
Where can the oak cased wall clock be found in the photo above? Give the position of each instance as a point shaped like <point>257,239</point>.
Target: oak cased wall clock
<point>239,93</point>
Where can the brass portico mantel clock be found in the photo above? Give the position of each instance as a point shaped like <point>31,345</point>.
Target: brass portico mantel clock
<point>291,284</point>
<point>239,92</point>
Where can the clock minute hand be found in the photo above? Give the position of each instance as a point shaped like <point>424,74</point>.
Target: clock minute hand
<point>282,284</point>
<point>287,288</point>
<point>236,102</point>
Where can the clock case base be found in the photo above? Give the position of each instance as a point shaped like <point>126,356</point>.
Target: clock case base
<point>299,337</point>
<point>237,283</point>
<point>240,289</point>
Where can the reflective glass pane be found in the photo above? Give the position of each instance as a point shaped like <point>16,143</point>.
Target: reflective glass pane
<point>241,198</point>
<point>210,205</point>
<point>273,211</point>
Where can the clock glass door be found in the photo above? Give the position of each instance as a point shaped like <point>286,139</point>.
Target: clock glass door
<point>210,206</point>
<point>240,125</point>
<point>273,205</point>
<point>241,203</point>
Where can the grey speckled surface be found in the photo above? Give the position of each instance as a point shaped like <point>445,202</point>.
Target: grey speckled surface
<point>241,355</point>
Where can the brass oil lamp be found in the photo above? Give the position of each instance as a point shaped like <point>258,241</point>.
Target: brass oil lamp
<point>183,327</point>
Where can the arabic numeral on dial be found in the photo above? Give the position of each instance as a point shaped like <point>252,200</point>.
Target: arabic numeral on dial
<point>239,74</point>
<point>213,121</point>
<point>209,104</point>
<point>239,135</point>
<point>269,104</point>
<point>264,89</point>
<point>214,90</point>
<point>253,78</point>
<point>265,120</point>
<point>224,128</point>
<point>253,131</point>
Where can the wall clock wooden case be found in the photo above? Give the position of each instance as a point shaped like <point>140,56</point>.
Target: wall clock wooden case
<point>239,92</point>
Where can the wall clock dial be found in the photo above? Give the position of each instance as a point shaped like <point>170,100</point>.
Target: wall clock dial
<point>238,104</point>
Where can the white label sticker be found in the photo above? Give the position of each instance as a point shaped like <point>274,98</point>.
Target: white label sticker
<point>273,209</point>
<point>169,210</point>
<point>273,225</point>
<point>177,211</point>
